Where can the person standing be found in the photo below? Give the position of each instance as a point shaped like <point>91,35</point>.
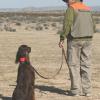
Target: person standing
<point>78,27</point>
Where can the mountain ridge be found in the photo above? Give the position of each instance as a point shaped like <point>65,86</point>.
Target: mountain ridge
<point>32,9</point>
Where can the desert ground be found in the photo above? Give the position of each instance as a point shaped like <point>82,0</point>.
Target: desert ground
<point>46,58</point>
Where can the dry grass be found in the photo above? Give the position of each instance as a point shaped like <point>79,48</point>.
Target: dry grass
<point>45,55</point>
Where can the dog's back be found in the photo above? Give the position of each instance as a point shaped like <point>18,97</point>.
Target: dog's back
<point>25,83</point>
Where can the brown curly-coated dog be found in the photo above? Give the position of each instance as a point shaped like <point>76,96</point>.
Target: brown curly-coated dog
<point>26,76</point>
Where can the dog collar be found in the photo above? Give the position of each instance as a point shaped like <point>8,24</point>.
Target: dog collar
<point>23,59</point>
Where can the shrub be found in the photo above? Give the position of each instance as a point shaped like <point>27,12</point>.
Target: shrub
<point>39,28</point>
<point>54,25</point>
<point>46,27</point>
<point>18,23</point>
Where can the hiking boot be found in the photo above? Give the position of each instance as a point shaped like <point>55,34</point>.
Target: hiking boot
<point>77,95</point>
<point>72,94</point>
<point>87,94</point>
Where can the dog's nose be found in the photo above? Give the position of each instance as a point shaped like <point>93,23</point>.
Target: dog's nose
<point>29,49</point>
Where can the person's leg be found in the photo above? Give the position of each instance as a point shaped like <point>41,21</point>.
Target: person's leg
<point>73,55</point>
<point>86,67</point>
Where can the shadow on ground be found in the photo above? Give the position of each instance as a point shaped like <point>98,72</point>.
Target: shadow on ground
<point>51,89</point>
<point>4,98</point>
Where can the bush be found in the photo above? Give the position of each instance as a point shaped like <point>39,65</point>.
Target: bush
<point>13,30</point>
<point>46,27</point>
<point>54,25</point>
<point>39,28</point>
<point>18,24</point>
<point>29,28</point>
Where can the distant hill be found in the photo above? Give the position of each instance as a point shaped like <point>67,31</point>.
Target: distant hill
<point>44,8</point>
<point>10,10</point>
<point>96,8</point>
<point>32,9</point>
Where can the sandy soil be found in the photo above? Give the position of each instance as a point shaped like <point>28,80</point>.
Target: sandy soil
<point>46,58</point>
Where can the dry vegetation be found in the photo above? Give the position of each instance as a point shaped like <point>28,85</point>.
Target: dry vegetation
<point>34,21</point>
<point>39,30</point>
<point>29,22</point>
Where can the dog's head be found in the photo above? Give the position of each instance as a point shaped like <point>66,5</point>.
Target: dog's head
<point>23,53</point>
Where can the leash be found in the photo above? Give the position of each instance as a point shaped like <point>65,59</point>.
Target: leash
<point>63,55</point>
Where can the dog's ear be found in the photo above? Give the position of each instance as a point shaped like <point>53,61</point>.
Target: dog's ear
<point>29,49</point>
<point>17,56</point>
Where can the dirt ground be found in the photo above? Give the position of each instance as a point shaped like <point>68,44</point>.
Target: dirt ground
<point>46,58</point>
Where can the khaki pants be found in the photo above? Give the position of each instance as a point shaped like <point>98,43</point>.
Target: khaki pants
<point>79,62</point>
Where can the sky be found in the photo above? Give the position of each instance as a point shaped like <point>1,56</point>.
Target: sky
<point>39,3</point>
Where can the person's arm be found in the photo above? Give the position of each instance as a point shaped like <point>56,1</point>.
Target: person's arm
<point>68,21</point>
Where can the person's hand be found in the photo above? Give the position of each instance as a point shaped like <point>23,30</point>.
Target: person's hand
<point>61,44</point>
